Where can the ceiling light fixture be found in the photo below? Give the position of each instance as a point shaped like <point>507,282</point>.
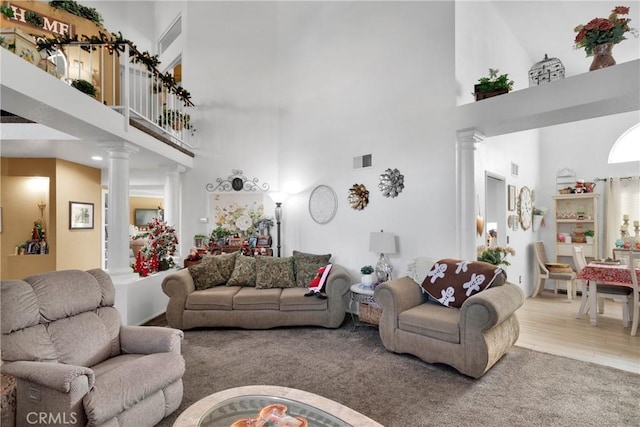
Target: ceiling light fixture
<point>97,158</point>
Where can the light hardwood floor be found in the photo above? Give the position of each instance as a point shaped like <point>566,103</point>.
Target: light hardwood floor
<point>548,324</point>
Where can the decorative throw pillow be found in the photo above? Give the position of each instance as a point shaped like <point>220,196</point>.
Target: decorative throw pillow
<point>244,272</point>
<point>306,271</point>
<point>226,264</point>
<point>451,281</point>
<point>306,265</point>
<point>206,274</point>
<point>274,272</point>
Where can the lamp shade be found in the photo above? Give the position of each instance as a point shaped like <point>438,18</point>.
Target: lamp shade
<point>626,148</point>
<point>278,197</point>
<point>382,243</point>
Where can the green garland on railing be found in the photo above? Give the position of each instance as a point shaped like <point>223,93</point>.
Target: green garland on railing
<point>79,10</point>
<point>6,10</point>
<point>115,43</point>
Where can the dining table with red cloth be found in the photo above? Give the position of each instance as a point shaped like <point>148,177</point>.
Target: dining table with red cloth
<point>609,273</point>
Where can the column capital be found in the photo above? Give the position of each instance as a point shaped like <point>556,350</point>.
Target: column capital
<point>469,137</point>
<point>117,147</point>
<point>172,168</point>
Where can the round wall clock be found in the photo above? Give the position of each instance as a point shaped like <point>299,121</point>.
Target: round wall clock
<point>323,204</point>
<point>526,208</point>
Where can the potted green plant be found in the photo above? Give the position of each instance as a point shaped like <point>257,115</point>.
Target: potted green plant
<point>538,217</point>
<point>199,239</point>
<point>176,119</point>
<point>589,235</point>
<point>218,235</point>
<point>495,255</point>
<point>493,85</point>
<point>367,275</point>
<point>22,247</point>
<point>84,87</point>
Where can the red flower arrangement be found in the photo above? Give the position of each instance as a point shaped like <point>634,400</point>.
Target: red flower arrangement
<point>156,255</point>
<point>603,30</point>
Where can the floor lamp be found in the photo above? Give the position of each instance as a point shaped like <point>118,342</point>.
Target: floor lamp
<point>278,198</point>
<point>383,243</point>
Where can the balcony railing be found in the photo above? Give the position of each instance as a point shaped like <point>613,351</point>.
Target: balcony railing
<point>140,94</point>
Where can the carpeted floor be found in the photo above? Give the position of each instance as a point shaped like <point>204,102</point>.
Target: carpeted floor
<point>526,388</point>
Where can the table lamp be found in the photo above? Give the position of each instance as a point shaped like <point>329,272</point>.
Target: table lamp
<point>383,243</point>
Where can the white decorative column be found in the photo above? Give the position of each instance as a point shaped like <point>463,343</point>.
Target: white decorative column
<point>118,215</point>
<point>172,194</point>
<point>466,188</point>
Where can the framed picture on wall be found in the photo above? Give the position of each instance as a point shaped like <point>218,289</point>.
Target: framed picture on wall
<point>80,215</point>
<point>511,197</point>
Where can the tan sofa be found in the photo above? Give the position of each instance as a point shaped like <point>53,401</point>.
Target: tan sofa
<point>471,339</point>
<point>251,308</point>
<point>75,363</point>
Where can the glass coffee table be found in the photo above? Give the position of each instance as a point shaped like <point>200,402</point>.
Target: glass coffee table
<point>227,407</point>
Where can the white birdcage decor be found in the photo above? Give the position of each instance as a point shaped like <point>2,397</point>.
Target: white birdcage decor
<point>545,71</point>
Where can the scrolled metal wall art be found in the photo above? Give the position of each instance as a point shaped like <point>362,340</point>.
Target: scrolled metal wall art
<point>237,182</point>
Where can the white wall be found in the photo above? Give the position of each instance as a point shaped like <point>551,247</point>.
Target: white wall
<point>360,78</point>
<point>124,16</point>
<point>231,75</point>
<point>291,92</point>
<point>478,48</point>
<point>495,155</point>
<point>483,41</point>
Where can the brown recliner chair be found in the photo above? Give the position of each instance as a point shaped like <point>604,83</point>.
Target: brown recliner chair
<point>471,339</point>
<point>76,364</point>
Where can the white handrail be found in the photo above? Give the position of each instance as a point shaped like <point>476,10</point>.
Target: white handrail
<point>143,97</point>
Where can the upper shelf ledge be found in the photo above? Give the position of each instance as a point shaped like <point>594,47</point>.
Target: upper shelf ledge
<point>611,90</point>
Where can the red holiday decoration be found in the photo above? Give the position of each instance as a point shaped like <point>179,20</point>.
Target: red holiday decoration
<point>156,255</point>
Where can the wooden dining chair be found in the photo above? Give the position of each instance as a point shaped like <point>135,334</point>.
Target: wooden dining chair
<point>634,263</point>
<point>619,293</point>
<point>543,273</point>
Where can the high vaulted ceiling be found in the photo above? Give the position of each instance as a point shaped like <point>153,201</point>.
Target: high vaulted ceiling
<point>540,27</point>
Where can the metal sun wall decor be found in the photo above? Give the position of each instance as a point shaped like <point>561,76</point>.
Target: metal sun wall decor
<point>391,183</point>
<point>358,197</point>
<point>237,182</point>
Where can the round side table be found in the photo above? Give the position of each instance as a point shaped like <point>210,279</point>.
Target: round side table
<point>8,402</point>
<point>361,293</point>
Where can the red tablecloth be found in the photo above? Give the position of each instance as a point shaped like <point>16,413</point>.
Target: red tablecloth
<point>610,274</point>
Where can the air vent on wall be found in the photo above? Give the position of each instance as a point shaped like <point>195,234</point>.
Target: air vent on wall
<point>514,169</point>
<point>364,161</point>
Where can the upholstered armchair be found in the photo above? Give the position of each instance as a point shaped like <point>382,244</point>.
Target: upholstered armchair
<point>76,364</point>
<point>471,338</point>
